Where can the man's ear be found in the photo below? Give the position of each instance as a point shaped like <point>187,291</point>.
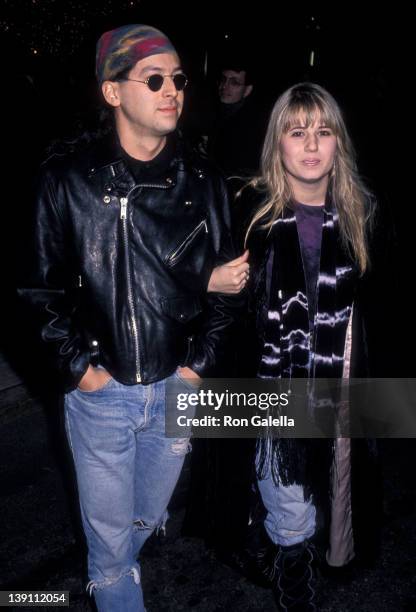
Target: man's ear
<point>247,91</point>
<point>110,92</point>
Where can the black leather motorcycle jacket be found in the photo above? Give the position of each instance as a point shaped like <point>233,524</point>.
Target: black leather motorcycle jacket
<point>120,269</point>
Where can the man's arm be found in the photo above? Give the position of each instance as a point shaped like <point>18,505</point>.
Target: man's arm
<point>211,348</point>
<point>49,286</point>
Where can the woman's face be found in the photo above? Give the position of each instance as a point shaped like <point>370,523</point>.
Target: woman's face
<point>308,153</point>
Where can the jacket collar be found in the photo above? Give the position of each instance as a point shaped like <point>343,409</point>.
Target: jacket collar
<point>107,156</point>
<point>107,162</point>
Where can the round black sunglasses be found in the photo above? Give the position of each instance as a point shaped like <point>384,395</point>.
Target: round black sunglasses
<point>155,81</point>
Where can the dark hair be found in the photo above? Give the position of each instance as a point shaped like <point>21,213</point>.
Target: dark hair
<point>85,129</point>
<point>238,64</point>
<point>123,74</point>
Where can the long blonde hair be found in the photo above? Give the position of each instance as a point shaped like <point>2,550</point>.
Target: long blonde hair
<point>348,193</point>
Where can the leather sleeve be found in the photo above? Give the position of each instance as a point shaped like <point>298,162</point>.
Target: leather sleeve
<point>48,287</point>
<point>212,349</point>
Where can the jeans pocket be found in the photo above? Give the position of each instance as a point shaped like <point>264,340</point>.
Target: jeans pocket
<point>186,382</point>
<point>104,387</point>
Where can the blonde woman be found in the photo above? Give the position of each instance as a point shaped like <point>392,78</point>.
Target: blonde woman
<point>308,255</point>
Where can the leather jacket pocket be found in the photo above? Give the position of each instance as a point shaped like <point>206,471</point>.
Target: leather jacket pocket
<point>183,247</point>
<point>182,308</point>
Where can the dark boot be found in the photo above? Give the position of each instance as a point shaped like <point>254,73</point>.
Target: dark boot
<point>255,560</point>
<point>260,554</point>
<point>294,577</point>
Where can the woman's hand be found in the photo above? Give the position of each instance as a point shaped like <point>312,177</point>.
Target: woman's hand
<point>230,277</point>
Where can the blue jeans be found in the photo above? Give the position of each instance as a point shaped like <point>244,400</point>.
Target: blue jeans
<point>290,519</point>
<point>126,472</point>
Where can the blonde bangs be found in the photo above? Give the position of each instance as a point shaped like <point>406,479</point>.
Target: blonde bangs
<point>308,112</point>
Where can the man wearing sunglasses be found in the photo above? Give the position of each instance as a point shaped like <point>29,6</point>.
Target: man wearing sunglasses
<point>127,234</point>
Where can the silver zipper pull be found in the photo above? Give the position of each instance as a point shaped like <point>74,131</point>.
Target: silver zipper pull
<point>123,208</point>
<point>206,227</point>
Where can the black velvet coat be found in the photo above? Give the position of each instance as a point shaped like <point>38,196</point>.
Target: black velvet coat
<point>308,462</point>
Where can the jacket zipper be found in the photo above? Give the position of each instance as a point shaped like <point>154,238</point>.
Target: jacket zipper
<point>174,257</point>
<point>123,216</point>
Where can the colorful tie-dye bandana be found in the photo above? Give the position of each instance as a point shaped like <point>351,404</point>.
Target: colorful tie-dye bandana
<point>120,49</point>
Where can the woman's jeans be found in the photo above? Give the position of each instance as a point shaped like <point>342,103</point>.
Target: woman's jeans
<point>126,472</point>
<point>290,519</point>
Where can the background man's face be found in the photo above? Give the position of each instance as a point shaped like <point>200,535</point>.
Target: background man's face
<point>233,88</point>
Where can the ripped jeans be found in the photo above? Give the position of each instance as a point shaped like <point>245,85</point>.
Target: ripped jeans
<point>126,473</point>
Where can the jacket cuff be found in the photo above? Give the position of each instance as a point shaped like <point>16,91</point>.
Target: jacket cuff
<point>77,369</point>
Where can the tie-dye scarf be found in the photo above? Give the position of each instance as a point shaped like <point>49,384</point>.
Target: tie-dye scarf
<point>290,350</point>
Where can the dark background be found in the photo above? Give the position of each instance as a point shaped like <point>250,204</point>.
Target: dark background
<point>48,90</point>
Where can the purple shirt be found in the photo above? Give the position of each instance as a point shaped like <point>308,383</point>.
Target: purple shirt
<point>309,220</point>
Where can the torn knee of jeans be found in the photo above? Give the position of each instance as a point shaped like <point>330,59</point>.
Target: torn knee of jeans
<point>181,446</point>
<point>108,582</point>
<point>140,524</point>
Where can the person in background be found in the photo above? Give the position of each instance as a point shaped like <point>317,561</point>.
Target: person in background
<point>238,129</point>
